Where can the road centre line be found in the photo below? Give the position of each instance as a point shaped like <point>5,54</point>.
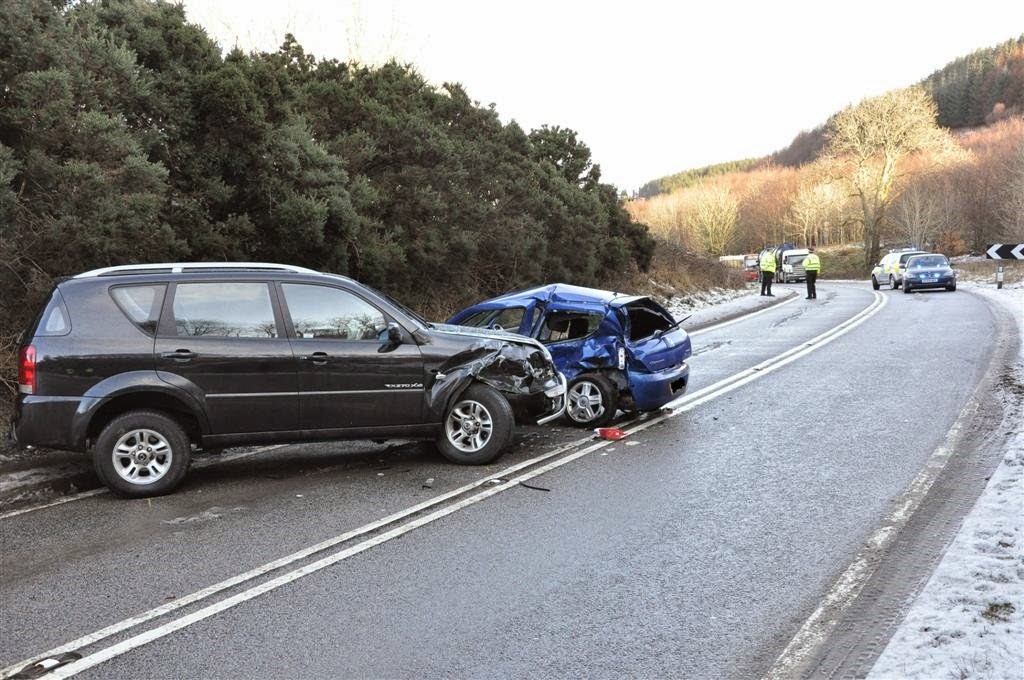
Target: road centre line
<point>684,404</point>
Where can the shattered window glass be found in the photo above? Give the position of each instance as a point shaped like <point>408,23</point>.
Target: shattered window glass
<point>645,322</point>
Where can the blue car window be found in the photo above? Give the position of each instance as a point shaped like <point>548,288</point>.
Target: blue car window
<point>645,322</point>
<point>510,319</point>
<point>478,319</point>
<point>561,326</point>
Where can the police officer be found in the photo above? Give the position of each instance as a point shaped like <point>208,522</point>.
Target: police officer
<point>812,265</point>
<point>767,265</point>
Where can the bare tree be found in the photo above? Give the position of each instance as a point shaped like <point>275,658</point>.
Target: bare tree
<point>713,218</point>
<point>1012,208</point>
<point>817,213</point>
<point>867,144</point>
<point>918,211</point>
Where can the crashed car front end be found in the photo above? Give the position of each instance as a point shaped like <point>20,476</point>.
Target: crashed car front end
<point>520,368</point>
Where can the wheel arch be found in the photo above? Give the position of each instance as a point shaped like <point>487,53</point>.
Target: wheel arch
<point>174,406</point>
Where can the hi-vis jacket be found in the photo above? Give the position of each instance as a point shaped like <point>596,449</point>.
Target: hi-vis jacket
<point>767,262</point>
<point>812,263</point>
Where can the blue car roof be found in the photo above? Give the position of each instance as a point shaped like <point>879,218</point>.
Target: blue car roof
<point>563,293</point>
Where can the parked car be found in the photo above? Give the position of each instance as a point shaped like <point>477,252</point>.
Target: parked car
<point>891,267</point>
<point>929,271</point>
<point>141,363</point>
<point>617,351</point>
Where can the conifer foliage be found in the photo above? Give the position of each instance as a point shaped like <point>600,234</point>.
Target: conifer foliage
<point>126,136</point>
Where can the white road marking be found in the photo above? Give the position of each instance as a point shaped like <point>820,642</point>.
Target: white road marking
<point>821,622</point>
<point>96,492</point>
<point>59,501</point>
<point>504,483</point>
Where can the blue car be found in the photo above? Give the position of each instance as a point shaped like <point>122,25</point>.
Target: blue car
<point>617,351</point>
<point>931,270</point>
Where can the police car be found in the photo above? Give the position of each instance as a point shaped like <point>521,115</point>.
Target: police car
<point>891,267</point>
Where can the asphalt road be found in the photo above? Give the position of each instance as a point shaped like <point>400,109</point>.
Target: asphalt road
<point>694,548</point>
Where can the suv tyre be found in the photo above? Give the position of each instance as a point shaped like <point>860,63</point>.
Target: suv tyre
<point>476,427</point>
<point>141,453</point>
<point>874,283</point>
<point>892,283</point>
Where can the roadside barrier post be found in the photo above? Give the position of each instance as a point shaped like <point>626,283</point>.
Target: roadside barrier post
<point>999,277</point>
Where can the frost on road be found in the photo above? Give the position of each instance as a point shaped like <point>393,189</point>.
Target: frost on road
<point>968,622</point>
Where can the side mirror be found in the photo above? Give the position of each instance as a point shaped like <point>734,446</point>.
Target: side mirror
<point>394,334</point>
<point>390,337</point>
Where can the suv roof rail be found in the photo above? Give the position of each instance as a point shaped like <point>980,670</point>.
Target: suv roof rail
<point>179,267</point>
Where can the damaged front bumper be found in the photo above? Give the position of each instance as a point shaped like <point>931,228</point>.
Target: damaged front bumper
<point>520,369</point>
<point>557,395</point>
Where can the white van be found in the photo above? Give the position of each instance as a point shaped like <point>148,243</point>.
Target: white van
<point>791,268</point>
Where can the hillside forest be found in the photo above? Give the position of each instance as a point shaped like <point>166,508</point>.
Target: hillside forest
<point>938,165</point>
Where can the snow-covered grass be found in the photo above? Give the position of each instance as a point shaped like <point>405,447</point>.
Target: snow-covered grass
<point>968,622</point>
<point>682,305</point>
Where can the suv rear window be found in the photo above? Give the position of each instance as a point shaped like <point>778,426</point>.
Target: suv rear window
<point>226,310</point>
<point>141,304</point>
<point>54,320</point>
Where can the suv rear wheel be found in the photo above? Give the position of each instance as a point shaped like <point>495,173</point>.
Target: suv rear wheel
<point>591,401</point>
<point>476,427</point>
<point>141,453</point>
<point>892,283</point>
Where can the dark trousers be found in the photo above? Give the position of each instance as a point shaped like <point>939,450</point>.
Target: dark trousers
<point>812,292</point>
<point>766,282</point>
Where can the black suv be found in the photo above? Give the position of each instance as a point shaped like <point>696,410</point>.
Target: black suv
<point>143,363</point>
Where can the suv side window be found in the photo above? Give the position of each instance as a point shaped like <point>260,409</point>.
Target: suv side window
<point>141,304</point>
<point>224,309</point>
<point>331,313</point>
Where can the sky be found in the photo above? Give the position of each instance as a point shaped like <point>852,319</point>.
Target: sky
<point>653,88</point>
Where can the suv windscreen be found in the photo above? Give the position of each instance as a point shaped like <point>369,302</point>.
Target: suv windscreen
<point>227,310</point>
<point>332,313</point>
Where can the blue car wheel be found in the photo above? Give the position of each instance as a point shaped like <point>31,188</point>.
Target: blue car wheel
<point>591,401</point>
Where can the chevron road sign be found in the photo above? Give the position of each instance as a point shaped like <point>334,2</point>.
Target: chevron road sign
<point>1005,251</point>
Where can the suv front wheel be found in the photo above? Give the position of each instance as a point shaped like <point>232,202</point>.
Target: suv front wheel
<point>141,453</point>
<point>476,427</point>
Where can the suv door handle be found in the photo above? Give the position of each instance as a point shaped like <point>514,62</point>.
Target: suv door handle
<point>180,355</point>
<point>318,358</point>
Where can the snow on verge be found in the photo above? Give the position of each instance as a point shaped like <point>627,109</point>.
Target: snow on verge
<point>968,622</point>
<point>686,303</point>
